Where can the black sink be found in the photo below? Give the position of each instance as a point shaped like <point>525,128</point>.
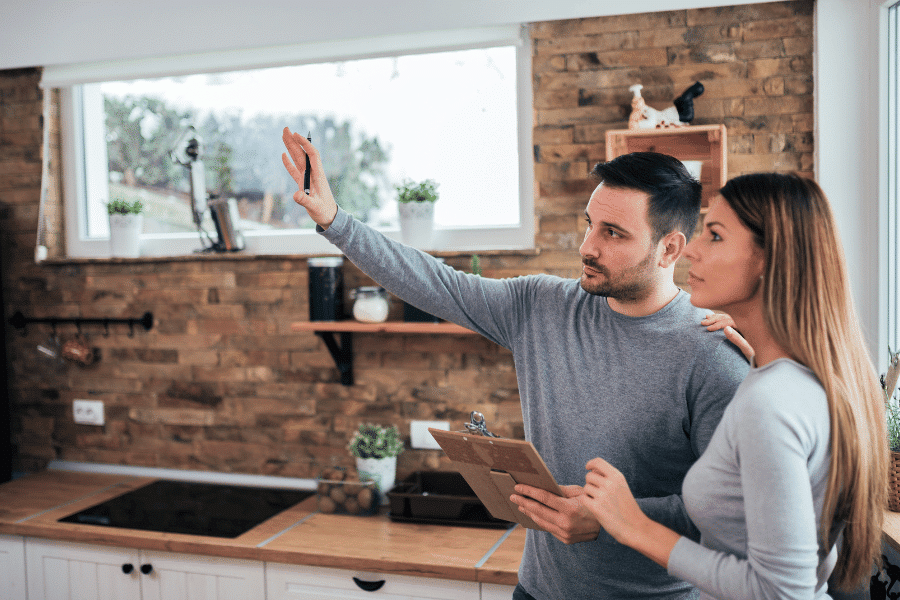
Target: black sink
<point>210,509</point>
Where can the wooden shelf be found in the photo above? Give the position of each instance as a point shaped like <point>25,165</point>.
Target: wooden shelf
<point>386,327</point>
<point>343,353</point>
<point>706,143</point>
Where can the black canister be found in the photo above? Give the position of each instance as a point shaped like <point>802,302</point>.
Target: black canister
<point>326,288</point>
<point>411,314</point>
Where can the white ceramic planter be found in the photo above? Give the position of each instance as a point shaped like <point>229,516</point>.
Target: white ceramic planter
<point>416,223</point>
<point>383,471</point>
<point>125,235</point>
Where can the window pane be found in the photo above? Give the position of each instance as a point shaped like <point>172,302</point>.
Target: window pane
<point>447,116</point>
<point>893,175</point>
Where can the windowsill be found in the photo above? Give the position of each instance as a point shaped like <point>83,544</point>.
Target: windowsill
<point>244,256</point>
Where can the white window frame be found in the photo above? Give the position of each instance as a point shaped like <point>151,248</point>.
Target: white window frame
<point>77,158</point>
<point>889,212</point>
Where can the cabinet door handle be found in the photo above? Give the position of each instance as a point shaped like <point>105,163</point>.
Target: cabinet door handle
<point>368,586</point>
<point>127,568</point>
<point>147,569</point>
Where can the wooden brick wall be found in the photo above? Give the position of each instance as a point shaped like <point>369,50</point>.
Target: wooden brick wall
<point>221,383</point>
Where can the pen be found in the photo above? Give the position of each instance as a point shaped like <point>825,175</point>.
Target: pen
<point>306,174</point>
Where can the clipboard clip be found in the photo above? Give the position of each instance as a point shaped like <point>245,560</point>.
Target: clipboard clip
<point>477,425</point>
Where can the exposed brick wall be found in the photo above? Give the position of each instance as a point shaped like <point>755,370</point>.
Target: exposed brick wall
<point>221,383</point>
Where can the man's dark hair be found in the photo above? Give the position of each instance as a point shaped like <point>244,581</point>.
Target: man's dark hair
<point>674,203</point>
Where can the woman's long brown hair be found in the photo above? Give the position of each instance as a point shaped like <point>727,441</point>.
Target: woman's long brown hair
<point>809,310</point>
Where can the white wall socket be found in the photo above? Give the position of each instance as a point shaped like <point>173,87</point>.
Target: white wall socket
<point>419,436</point>
<point>88,412</point>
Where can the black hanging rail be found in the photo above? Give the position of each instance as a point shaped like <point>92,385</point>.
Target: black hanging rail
<point>19,321</point>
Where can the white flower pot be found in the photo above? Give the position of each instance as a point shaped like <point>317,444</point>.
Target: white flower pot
<point>125,235</point>
<point>383,471</point>
<point>416,223</point>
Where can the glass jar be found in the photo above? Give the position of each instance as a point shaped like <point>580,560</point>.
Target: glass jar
<point>370,304</point>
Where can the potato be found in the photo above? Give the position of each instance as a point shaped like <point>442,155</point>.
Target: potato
<point>351,505</point>
<point>334,474</point>
<point>353,488</point>
<point>327,505</point>
<point>337,494</point>
<point>364,498</point>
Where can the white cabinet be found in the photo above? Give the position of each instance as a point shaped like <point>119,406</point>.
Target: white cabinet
<point>192,577</point>
<point>56,570</point>
<point>67,571</point>
<point>12,567</point>
<point>493,591</point>
<point>296,582</point>
<point>70,571</point>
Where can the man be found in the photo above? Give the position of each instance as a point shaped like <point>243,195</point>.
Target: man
<point>617,365</point>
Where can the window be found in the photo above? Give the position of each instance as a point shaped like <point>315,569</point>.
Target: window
<point>890,274</point>
<point>459,114</point>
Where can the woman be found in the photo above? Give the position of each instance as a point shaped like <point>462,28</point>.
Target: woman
<point>800,454</point>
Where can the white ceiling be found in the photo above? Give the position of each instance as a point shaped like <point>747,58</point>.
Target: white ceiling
<point>53,32</point>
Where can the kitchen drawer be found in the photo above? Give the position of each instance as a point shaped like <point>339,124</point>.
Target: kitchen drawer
<point>296,582</point>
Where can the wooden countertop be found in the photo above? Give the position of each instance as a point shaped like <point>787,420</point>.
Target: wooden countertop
<point>891,529</point>
<point>32,505</point>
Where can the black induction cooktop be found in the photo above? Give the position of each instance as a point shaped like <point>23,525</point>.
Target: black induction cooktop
<point>210,509</point>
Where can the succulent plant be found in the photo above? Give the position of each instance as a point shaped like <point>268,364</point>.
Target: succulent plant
<point>375,441</point>
<point>123,207</point>
<point>410,191</point>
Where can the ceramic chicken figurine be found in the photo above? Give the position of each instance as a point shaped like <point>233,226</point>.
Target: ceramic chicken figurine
<point>681,112</point>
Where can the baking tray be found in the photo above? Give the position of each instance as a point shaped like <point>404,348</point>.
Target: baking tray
<point>439,498</point>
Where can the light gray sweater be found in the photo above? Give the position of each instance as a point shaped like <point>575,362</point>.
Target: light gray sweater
<point>757,492</point>
<point>644,393</point>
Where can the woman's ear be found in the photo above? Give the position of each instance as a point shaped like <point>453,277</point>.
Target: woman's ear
<point>759,263</point>
<point>672,247</point>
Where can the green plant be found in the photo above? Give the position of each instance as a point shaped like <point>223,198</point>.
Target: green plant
<point>123,207</point>
<point>375,441</point>
<point>476,265</point>
<point>892,405</point>
<point>410,191</point>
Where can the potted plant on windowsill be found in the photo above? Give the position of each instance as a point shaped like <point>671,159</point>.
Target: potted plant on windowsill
<point>416,205</point>
<point>892,414</point>
<point>126,221</point>
<point>376,449</point>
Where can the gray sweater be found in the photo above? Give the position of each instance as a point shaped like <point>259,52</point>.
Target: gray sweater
<point>757,492</point>
<point>645,393</point>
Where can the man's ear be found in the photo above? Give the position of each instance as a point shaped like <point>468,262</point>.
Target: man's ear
<point>671,248</point>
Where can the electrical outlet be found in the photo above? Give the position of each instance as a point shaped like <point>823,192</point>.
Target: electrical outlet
<point>88,412</point>
<point>419,436</point>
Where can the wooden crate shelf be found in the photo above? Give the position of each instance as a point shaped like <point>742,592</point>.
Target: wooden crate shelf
<point>706,143</point>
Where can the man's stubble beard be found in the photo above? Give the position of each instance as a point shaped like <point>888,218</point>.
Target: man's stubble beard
<point>633,284</point>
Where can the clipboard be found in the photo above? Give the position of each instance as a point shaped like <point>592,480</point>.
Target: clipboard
<point>492,467</point>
